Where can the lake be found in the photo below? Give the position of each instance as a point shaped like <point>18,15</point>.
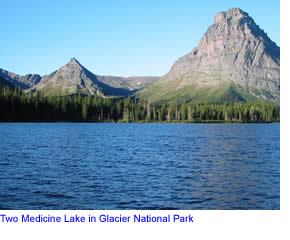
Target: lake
<point>139,166</point>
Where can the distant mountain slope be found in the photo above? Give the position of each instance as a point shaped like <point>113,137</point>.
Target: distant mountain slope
<point>24,82</point>
<point>5,83</point>
<point>234,61</point>
<point>74,78</point>
<point>131,83</point>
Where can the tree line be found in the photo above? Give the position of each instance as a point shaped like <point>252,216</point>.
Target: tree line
<point>16,106</point>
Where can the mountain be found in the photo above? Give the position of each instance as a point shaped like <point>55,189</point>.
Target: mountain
<point>74,78</point>
<point>234,61</point>
<point>24,82</point>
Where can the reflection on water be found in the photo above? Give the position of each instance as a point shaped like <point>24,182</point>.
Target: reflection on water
<point>139,166</point>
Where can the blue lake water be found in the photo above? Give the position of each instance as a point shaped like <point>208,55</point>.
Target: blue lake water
<point>139,166</point>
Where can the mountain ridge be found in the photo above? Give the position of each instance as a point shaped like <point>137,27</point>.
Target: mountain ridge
<point>74,78</point>
<point>24,82</point>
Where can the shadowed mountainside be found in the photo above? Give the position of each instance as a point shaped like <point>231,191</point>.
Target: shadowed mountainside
<point>5,83</point>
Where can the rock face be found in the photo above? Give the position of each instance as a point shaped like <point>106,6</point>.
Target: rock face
<point>234,52</point>
<point>23,82</point>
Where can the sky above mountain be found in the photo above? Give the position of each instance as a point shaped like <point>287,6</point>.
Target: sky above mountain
<point>122,38</point>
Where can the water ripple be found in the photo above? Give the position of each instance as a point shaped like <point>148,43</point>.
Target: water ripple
<point>139,166</point>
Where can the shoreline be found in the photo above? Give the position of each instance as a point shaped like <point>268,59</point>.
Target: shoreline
<point>145,122</point>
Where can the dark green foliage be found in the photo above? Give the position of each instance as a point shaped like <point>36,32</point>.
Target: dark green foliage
<point>16,106</point>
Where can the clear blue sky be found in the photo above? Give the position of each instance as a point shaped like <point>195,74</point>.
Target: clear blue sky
<point>122,38</point>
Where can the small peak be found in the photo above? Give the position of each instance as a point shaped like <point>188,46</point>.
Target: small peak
<point>74,61</point>
<point>233,13</point>
<point>237,12</point>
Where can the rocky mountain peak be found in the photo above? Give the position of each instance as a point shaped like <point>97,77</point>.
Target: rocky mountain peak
<point>233,41</point>
<point>72,73</point>
<point>233,14</point>
<point>233,52</point>
<point>73,64</point>
<point>230,29</point>
<point>74,61</point>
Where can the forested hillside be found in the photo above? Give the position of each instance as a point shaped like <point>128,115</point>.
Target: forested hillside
<point>16,106</point>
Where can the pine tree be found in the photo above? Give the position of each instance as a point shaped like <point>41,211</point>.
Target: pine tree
<point>84,111</point>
